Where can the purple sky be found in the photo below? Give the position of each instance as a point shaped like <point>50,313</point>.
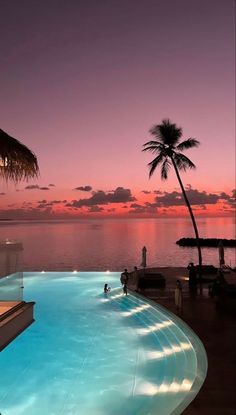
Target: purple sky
<point>83,81</point>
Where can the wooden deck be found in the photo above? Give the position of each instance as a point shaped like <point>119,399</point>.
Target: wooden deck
<point>7,305</point>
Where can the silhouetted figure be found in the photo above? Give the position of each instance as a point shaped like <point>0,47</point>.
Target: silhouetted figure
<point>106,289</point>
<point>192,275</point>
<point>178,295</point>
<point>124,277</point>
<point>218,284</point>
<point>125,288</point>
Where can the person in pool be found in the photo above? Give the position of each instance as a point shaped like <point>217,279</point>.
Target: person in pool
<point>106,289</point>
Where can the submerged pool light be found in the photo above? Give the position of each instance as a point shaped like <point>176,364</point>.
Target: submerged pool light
<point>155,327</point>
<point>135,310</point>
<point>167,351</point>
<point>148,388</point>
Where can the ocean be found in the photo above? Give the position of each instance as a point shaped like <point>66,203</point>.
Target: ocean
<point>114,244</point>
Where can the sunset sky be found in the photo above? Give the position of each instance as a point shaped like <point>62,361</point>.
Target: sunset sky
<point>82,82</point>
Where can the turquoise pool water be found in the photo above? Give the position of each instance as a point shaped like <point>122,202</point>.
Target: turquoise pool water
<point>94,354</point>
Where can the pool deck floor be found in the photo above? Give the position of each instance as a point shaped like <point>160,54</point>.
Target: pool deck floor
<point>217,330</point>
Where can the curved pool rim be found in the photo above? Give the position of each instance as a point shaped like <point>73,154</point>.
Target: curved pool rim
<point>200,351</point>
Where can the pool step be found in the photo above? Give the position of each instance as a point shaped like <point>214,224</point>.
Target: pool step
<point>168,337</point>
<point>14,321</point>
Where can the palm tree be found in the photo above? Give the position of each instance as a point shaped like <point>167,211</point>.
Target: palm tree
<point>17,162</point>
<point>168,149</point>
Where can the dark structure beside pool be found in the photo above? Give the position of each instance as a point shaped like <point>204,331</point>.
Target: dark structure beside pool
<point>14,318</point>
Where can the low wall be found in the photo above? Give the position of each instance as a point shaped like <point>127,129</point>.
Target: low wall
<point>14,321</point>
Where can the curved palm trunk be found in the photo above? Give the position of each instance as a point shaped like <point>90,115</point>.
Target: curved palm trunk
<point>192,217</point>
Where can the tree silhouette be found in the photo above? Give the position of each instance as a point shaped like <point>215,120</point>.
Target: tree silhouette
<point>17,162</point>
<point>167,148</point>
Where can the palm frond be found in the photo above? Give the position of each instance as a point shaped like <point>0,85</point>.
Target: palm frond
<point>154,163</point>
<point>183,162</point>
<point>17,162</point>
<point>154,147</point>
<point>167,132</point>
<point>189,143</point>
<point>165,169</point>
<point>153,143</point>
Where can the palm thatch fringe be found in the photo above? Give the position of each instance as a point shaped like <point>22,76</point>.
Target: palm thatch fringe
<point>17,162</point>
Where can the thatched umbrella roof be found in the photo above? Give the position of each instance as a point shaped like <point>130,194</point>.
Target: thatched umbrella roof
<point>17,162</point>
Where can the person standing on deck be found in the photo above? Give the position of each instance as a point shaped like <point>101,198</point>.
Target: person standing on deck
<point>125,288</point>
<point>192,275</point>
<point>124,277</point>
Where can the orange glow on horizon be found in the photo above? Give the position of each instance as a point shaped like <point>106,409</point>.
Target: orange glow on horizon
<point>61,203</point>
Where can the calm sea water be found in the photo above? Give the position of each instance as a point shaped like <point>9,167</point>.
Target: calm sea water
<point>113,244</point>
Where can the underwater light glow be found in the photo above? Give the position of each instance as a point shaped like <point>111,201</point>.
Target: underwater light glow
<point>167,351</point>
<point>135,310</point>
<point>151,389</point>
<point>154,327</point>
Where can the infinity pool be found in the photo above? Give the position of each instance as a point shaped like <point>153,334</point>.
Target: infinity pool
<point>89,353</point>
